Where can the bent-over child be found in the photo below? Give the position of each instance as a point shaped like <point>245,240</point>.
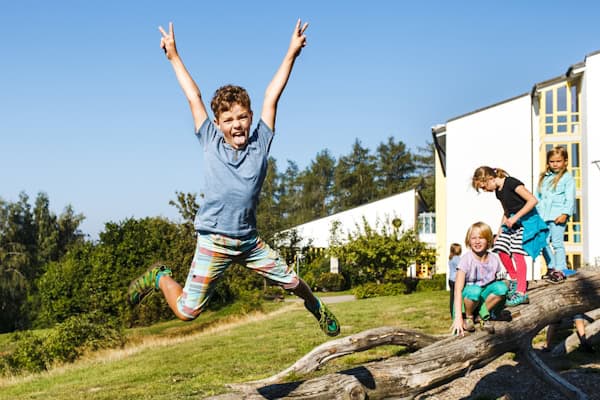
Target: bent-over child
<point>522,231</point>
<point>476,286</point>
<point>234,168</point>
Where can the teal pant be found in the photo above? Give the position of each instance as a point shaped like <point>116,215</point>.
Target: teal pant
<point>479,294</point>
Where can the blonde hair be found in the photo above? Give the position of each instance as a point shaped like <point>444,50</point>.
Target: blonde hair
<point>556,151</point>
<point>455,250</point>
<point>483,173</point>
<point>484,230</point>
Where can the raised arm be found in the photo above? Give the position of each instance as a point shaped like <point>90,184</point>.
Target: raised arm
<point>275,88</point>
<point>190,89</point>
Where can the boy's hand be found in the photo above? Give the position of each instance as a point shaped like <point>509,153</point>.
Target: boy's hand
<point>167,42</point>
<point>298,40</point>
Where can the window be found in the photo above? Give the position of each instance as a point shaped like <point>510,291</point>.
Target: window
<point>560,109</point>
<point>426,223</point>
<point>560,125</point>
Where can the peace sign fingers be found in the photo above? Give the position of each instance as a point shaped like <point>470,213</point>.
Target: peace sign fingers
<point>167,41</point>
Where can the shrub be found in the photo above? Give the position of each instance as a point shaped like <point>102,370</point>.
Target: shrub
<point>371,289</point>
<point>331,282</point>
<point>394,275</point>
<point>438,282</point>
<point>64,343</point>
<point>78,334</point>
<point>29,354</point>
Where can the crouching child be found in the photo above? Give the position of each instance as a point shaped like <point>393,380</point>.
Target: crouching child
<point>476,288</point>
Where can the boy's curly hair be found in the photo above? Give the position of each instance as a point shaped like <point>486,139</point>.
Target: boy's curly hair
<point>226,96</point>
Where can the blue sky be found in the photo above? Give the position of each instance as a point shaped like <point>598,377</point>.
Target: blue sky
<point>91,113</point>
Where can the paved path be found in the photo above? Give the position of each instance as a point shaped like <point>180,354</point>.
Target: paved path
<point>326,299</point>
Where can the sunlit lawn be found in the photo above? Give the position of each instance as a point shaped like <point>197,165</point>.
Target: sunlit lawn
<point>199,365</point>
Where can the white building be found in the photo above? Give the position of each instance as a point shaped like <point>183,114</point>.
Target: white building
<point>515,135</point>
<point>408,207</point>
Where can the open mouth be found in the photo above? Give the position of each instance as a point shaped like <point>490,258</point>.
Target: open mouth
<point>239,139</point>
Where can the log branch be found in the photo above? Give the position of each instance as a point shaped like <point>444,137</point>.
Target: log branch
<point>362,341</point>
<point>446,359</point>
<point>550,376</point>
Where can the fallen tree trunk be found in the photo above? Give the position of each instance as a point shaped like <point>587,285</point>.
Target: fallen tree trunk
<point>446,359</point>
<point>572,342</point>
<point>362,341</point>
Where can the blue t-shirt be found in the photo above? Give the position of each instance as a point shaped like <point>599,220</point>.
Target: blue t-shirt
<point>452,265</point>
<point>232,180</point>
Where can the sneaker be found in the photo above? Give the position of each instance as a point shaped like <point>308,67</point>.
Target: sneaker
<point>516,299</point>
<point>327,321</point>
<point>144,285</point>
<point>548,273</point>
<point>487,325</point>
<point>557,277</point>
<point>469,324</point>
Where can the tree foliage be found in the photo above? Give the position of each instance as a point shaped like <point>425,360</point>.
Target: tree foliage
<point>30,238</point>
<point>378,254</point>
<point>49,272</point>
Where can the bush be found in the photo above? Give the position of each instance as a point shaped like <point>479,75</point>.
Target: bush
<point>311,271</point>
<point>394,275</point>
<point>438,282</point>
<point>331,282</point>
<point>371,289</point>
<point>274,293</point>
<point>29,354</point>
<point>64,343</point>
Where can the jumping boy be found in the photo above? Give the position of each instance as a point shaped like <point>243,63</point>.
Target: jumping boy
<point>234,168</point>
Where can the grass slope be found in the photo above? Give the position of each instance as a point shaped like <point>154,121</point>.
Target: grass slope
<point>165,365</point>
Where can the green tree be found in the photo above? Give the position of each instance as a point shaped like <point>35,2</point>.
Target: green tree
<point>17,261</point>
<point>63,287</point>
<point>289,197</point>
<point>425,169</point>
<point>317,187</point>
<point>268,214</point>
<point>354,179</point>
<point>395,168</point>
<point>187,206</point>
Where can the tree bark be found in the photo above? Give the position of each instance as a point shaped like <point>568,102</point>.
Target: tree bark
<point>446,359</point>
<point>362,341</point>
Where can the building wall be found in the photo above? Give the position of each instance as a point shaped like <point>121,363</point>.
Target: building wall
<point>500,137</point>
<point>507,136</point>
<point>403,206</point>
<point>441,244</point>
<point>591,153</point>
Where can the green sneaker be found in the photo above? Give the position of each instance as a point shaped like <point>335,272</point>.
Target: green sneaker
<point>327,321</point>
<point>141,287</point>
<point>517,299</point>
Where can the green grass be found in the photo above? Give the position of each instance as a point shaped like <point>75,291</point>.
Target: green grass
<point>199,365</point>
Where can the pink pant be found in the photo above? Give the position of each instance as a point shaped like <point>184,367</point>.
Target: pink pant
<point>519,273</point>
